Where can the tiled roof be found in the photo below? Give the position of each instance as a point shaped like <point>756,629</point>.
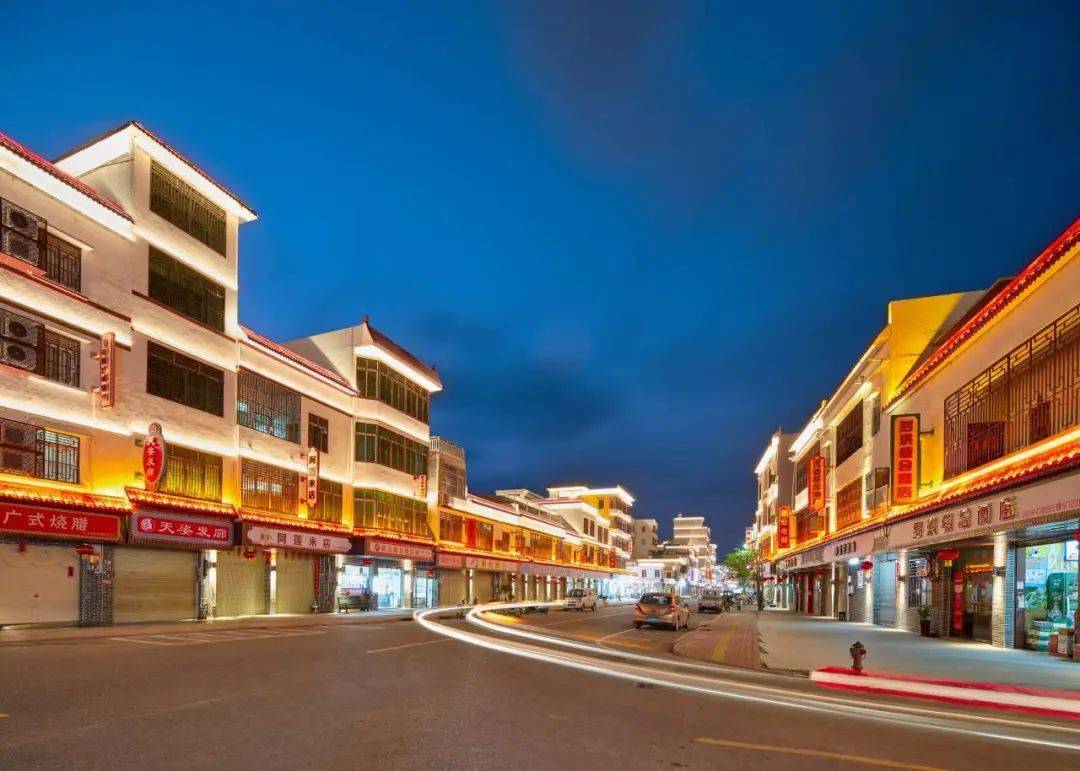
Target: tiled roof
<point>173,151</point>
<point>147,498</point>
<point>284,520</point>
<point>1010,292</point>
<point>44,496</point>
<point>1060,458</point>
<point>295,358</point>
<point>29,155</point>
<point>385,342</point>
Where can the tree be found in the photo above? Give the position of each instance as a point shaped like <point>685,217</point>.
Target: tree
<point>744,567</point>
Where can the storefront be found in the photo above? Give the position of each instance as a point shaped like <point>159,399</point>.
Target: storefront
<point>454,586</point>
<point>40,569</point>
<point>291,560</point>
<point>392,574</point>
<point>156,577</point>
<point>1047,566</point>
<point>240,582</point>
<point>491,580</point>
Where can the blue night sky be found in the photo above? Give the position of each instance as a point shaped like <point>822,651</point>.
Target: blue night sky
<point>635,238</point>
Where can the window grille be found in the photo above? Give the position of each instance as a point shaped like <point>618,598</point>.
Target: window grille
<point>269,488</point>
<point>34,451</point>
<point>267,407</point>
<point>184,380</point>
<point>185,290</point>
<point>180,204</point>
<point>192,473</point>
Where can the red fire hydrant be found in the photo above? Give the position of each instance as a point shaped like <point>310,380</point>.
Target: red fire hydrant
<point>858,653</point>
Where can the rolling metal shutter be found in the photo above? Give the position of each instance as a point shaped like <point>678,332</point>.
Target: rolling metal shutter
<point>35,585</point>
<point>885,590</point>
<point>295,582</point>
<point>153,585</point>
<point>241,584</point>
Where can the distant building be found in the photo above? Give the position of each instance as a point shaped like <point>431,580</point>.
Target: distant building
<point>646,534</point>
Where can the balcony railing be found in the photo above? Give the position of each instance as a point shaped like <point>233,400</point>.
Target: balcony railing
<point>1026,396</point>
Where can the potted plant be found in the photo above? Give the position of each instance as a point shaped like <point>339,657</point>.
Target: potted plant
<point>924,620</point>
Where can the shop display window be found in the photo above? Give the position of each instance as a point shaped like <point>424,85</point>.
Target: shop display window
<point>1050,591</point>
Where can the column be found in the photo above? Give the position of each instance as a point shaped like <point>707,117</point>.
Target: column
<point>1001,623</point>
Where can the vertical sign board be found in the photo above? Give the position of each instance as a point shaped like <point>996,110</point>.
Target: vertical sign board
<point>153,457</point>
<point>958,601</point>
<point>816,483</point>
<point>107,371</point>
<point>311,485</point>
<point>905,458</point>
<point>783,528</point>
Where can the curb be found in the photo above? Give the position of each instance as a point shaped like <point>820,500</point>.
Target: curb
<point>1062,704</point>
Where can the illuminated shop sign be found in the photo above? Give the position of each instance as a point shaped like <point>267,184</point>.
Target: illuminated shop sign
<point>816,483</point>
<point>905,458</point>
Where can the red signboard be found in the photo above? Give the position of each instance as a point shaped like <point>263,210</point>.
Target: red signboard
<point>958,601</point>
<point>783,528</point>
<point>379,548</point>
<point>107,370</point>
<point>816,483</point>
<point>181,528</point>
<point>450,561</point>
<point>311,485</point>
<point>84,526</point>
<point>287,538</point>
<point>905,458</point>
<point>153,457</point>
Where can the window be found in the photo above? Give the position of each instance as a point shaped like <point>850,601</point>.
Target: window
<point>450,528</point>
<point>186,291</point>
<point>875,415</point>
<point>1024,397</point>
<point>38,452</point>
<point>918,583</point>
<point>192,473</point>
<point>378,510</point>
<point>877,488</point>
<point>484,536</point>
<point>451,479</point>
<point>808,525</point>
<point>29,345</point>
<point>802,467</point>
<point>265,406</point>
<point>318,433</point>
<point>328,505</point>
<point>269,488</point>
<point>63,263</point>
<point>849,434</point>
<point>375,444</point>
<point>184,380</point>
<point>180,204</point>
<point>375,380</point>
<point>848,510</point>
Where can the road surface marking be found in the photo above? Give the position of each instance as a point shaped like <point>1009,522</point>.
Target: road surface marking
<point>408,645</point>
<point>815,754</point>
<point>137,640</point>
<point>224,635</point>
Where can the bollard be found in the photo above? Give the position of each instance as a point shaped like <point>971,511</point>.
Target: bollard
<point>858,653</point>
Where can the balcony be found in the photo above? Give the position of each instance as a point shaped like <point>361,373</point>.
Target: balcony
<point>446,447</point>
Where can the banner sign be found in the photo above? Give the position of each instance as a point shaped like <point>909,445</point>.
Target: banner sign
<point>181,528</point>
<point>286,538</point>
<point>815,483</point>
<point>153,457</point>
<point>107,370</point>
<point>905,458</point>
<point>485,563</point>
<point>311,484</point>
<point>783,528</point>
<point>31,520</point>
<point>450,560</point>
<point>394,550</point>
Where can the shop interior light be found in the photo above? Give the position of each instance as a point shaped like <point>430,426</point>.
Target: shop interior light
<point>853,561</point>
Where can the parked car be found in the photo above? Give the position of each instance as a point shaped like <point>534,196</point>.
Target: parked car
<point>661,609</point>
<point>581,599</point>
<point>709,603</point>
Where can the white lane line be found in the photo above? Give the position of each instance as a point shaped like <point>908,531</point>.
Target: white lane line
<point>144,641</point>
<point>616,634</point>
<point>409,645</point>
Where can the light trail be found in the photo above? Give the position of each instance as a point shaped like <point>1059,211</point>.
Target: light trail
<point>728,689</point>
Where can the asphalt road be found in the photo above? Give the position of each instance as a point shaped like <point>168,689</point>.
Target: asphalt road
<point>394,695</point>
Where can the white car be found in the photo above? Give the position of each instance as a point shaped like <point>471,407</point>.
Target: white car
<point>581,599</point>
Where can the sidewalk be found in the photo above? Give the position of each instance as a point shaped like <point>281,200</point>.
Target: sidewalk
<point>731,639</point>
<point>795,641</point>
<point>54,634</point>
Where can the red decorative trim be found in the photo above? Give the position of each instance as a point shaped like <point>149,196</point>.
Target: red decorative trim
<point>73,499</point>
<point>1007,295</point>
<point>283,520</point>
<point>29,155</point>
<point>418,540</point>
<point>141,499</point>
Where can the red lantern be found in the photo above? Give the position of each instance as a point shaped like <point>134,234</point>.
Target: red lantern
<point>866,565</point>
<point>949,554</point>
<point>22,546</point>
<point>249,554</point>
<point>84,550</point>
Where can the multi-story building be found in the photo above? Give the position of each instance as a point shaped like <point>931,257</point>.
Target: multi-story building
<point>941,478</point>
<point>646,537</point>
<point>774,472</point>
<point>690,550</point>
<point>159,460</point>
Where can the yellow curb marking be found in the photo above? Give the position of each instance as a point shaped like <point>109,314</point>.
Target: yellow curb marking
<point>816,754</point>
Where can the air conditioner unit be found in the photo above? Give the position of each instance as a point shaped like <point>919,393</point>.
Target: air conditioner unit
<point>21,221</point>
<point>19,329</point>
<point>20,247</point>
<point>18,435</point>
<point>18,462</point>
<point>19,355</point>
